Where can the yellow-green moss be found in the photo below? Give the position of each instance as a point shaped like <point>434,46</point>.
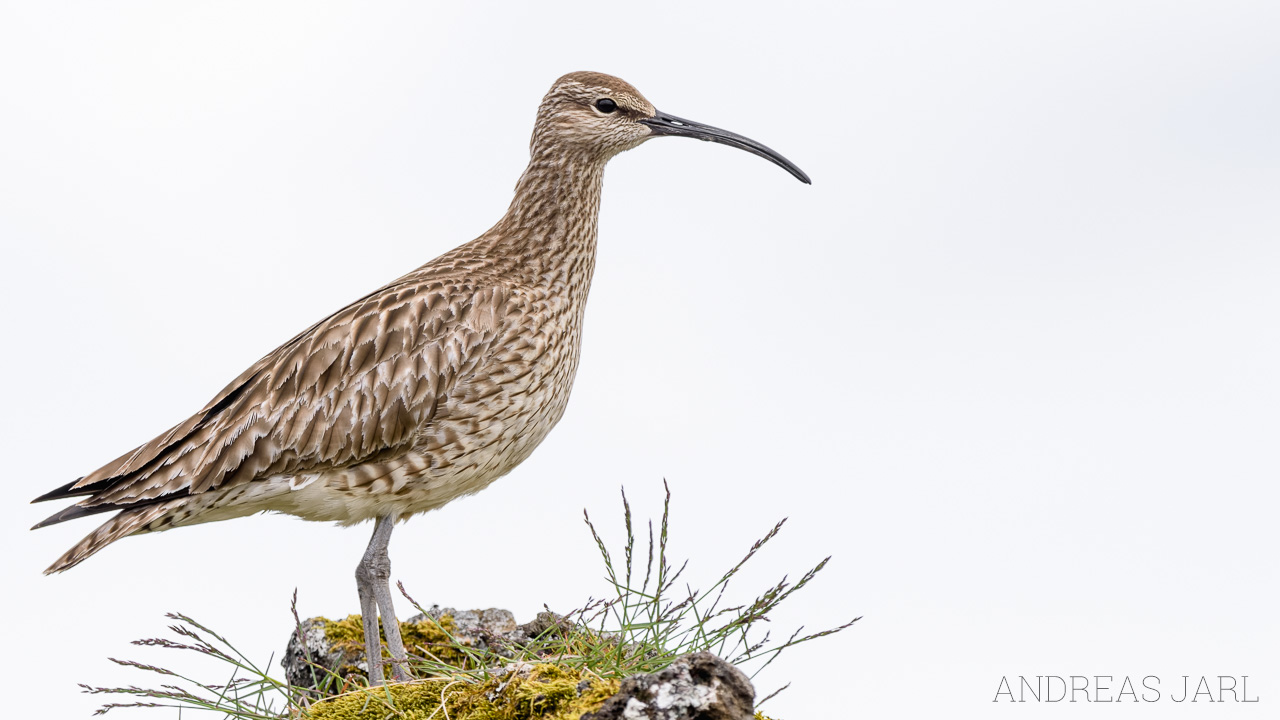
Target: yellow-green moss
<point>427,635</point>
<point>548,692</point>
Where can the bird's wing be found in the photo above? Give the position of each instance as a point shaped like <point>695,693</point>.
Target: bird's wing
<point>351,388</point>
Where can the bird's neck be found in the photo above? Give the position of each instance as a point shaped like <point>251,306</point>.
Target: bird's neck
<point>548,236</point>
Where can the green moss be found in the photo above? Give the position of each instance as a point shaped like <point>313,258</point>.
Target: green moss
<point>548,692</point>
<point>420,638</point>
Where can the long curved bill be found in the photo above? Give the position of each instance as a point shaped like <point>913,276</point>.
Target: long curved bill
<point>663,124</point>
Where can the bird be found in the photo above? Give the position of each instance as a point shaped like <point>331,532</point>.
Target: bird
<point>423,391</point>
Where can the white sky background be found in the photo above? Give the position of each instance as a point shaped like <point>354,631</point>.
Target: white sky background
<point>1012,359</point>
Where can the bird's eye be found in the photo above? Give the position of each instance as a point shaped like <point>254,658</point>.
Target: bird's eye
<point>606,106</point>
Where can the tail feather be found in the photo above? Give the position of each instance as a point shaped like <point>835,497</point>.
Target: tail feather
<point>128,522</point>
<point>65,491</point>
<point>73,512</point>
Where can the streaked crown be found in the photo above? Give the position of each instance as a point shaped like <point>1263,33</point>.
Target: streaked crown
<point>593,113</point>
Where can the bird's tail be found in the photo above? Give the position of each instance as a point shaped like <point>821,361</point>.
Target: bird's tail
<point>125,523</point>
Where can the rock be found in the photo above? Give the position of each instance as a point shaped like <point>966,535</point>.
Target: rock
<point>700,686</point>
<point>338,645</point>
<point>543,622</point>
<point>316,646</point>
<point>472,622</point>
<point>482,629</point>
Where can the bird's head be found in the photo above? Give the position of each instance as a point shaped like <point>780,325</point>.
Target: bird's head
<point>600,115</point>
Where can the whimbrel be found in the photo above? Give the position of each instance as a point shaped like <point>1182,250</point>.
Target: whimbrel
<point>425,390</point>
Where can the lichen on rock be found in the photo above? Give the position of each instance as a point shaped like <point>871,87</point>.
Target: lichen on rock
<point>700,686</point>
<point>518,686</point>
<point>323,652</point>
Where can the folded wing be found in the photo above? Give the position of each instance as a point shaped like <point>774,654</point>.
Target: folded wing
<point>354,387</point>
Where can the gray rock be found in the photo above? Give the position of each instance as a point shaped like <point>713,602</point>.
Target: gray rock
<point>309,644</point>
<point>492,628</point>
<point>700,686</point>
<point>495,629</point>
<point>480,628</point>
<point>542,623</point>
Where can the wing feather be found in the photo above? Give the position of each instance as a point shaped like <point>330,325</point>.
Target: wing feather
<point>357,385</point>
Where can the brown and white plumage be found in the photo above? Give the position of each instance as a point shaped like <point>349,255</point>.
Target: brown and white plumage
<point>427,389</point>
<point>389,405</point>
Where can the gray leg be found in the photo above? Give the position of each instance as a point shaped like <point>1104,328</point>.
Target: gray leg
<point>369,615</point>
<point>372,577</point>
